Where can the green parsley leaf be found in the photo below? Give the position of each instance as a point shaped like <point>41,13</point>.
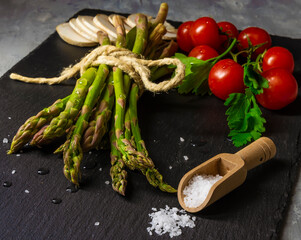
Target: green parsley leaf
<point>254,80</point>
<point>244,118</point>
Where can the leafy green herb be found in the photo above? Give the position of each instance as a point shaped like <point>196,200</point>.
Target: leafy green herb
<point>197,72</point>
<point>244,118</point>
<point>253,79</point>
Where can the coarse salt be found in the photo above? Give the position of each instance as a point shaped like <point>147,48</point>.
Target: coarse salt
<point>107,182</point>
<point>198,188</point>
<point>182,139</point>
<point>13,171</point>
<point>26,191</point>
<point>169,220</point>
<point>5,140</point>
<point>185,158</point>
<point>96,223</point>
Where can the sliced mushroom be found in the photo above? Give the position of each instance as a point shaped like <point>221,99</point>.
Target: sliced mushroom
<point>89,23</point>
<point>131,19</point>
<point>82,31</point>
<point>103,22</point>
<point>85,28</point>
<point>67,33</point>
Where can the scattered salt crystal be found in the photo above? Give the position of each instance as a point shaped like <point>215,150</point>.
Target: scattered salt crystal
<point>5,140</point>
<point>26,191</point>
<point>13,171</point>
<point>100,169</point>
<point>90,152</point>
<point>169,220</point>
<point>9,118</point>
<point>182,139</point>
<point>170,167</point>
<point>18,155</point>
<point>96,223</point>
<point>185,158</point>
<point>107,182</point>
<point>198,188</point>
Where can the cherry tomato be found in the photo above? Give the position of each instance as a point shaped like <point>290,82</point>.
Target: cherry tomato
<point>229,29</point>
<point>282,90</point>
<point>204,31</point>
<point>278,57</point>
<point>226,77</point>
<point>203,52</point>
<point>256,36</point>
<point>183,36</point>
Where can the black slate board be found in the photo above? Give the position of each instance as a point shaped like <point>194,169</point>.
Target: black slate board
<point>253,211</point>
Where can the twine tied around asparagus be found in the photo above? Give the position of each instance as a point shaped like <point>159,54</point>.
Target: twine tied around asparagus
<point>129,62</point>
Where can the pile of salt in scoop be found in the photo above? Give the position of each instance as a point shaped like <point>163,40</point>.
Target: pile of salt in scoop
<point>198,188</point>
<point>169,220</point>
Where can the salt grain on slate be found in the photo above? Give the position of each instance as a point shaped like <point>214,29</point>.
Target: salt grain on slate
<point>72,189</point>
<point>26,191</point>
<point>18,155</point>
<point>13,171</point>
<point>169,220</point>
<point>182,139</point>
<point>198,188</point>
<point>5,140</point>
<point>107,182</point>
<point>185,158</point>
<point>100,169</point>
<point>170,167</point>
<point>96,223</point>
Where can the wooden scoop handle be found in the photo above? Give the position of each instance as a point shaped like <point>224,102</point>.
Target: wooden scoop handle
<point>258,152</point>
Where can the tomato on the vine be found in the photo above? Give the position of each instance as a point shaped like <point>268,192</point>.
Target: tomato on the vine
<point>203,52</point>
<point>278,57</point>
<point>282,90</point>
<point>204,31</point>
<point>229,30</point>
<point>226,77</point>
<point>256,36</point>
<point>183,36</point>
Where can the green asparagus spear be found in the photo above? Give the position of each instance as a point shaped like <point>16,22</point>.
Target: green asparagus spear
<point>35,123</point>
<point>99,124</point>
<point>153,176</point>
<point>73,152</point>
<point>59,125</point>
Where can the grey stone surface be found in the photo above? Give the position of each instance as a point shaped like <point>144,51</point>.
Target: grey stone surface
<point>24,24</point>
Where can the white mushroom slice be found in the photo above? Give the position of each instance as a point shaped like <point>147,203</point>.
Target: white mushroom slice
<point>76,27</point>
<point>102,22</point>
<point>170,28</point>
<point>127,27</point>
<point>131,19</point>
<point>85,28</point>
<point>70,36</point>
<point>170,36</point>
<point>88,22</point>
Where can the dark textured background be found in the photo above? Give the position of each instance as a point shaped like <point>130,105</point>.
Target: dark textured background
<point>253,211</point>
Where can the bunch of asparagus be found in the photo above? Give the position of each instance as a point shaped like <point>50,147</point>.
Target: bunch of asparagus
<point>104,100</point>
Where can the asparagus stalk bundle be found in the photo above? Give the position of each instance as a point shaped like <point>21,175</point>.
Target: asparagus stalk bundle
<point>105,99</point>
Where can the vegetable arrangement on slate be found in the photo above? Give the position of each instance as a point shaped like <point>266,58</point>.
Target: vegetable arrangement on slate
<point>236,67</point>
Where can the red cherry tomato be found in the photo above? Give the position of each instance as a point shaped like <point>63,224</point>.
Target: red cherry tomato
<point>229,29</point>
<point>226,77</point>
<point>204,31</point>
<point>183,36</point>
<point>256,36</point>
<point>203,52</point>
<point>282,90</point>
<point>278,57</point>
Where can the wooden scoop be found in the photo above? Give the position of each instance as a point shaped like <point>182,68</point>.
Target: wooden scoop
<point>233,169</point>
